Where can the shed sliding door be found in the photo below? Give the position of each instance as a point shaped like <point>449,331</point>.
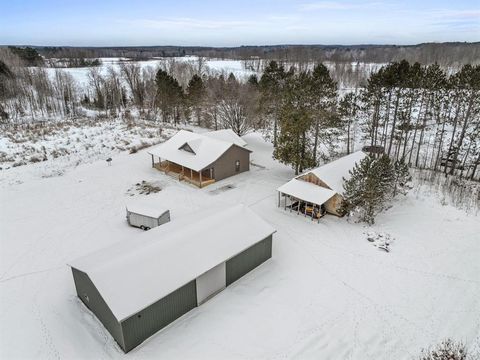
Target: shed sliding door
<point>210,283</point>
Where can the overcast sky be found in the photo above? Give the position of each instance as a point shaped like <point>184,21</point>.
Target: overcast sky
<point>232,23</point>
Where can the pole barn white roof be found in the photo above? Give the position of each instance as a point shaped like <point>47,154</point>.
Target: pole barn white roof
<point>135,273</point>
<point>306,191</point>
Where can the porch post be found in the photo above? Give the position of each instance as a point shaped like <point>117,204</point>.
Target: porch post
<point>290,203</point>
<point>285,203</point>
<point>200,176</point>
<point>298,207</point>
<point>305,211</point>
<point>191,174</point>
<point>313,207</point>
<point>153,161</point>
<point>278,198</point>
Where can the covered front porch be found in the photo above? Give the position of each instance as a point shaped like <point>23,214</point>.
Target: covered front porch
<point>198,178</point>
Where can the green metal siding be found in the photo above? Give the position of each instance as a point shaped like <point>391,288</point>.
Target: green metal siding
<point>248,260</point>
<point>147,322</point>
<point>97,305</point>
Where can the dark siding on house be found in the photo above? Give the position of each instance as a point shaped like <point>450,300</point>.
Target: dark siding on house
<point>225,165</point>
<point>158,315</point>
<point>248,260</point>
<point>97,305</point>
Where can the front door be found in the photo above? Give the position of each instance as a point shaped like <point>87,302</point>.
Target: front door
<point>210,283</point>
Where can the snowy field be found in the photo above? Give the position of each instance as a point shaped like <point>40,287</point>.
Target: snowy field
<point>213,66</point>
<point>327,293</point>
<point>216,66</point>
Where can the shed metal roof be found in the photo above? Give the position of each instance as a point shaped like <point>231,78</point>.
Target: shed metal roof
<point>333,173</point>
<point>306,191</point>
<point>133,274</point>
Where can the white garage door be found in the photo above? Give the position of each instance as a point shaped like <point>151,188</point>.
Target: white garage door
<point>210,283</point>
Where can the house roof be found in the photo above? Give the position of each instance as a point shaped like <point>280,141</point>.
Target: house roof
<point>207,148</point>
<point>146,209</point>
<point>306,191</point>
<point>333,173</point>
<point>135,273</point>
<point>227,135</point>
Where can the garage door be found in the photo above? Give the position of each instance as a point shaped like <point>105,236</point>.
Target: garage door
<point>210,283</point>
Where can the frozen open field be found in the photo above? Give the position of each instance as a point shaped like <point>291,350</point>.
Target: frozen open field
<point>327,293</point>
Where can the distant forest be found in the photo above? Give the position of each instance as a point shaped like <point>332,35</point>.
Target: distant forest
<point>445,54</point>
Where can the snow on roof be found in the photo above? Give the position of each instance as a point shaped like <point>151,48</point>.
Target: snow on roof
<point>227,135</point>
<point>145,209</point>
<point>207,149</point>
<point>333,173</point>
<point>135,273</point>
<point>306,191</point>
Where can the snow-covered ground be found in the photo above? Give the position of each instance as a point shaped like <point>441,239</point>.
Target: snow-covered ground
<point>216,66</point>
<point>327,293</point>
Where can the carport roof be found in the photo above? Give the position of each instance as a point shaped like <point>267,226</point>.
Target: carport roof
<point>306,191</point>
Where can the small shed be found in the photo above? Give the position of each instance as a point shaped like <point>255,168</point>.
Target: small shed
<point>319,188</point>
<point>145,216</point>
<point>135,288</point>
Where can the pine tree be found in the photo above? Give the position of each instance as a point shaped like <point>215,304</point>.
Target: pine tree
<point>196,95</point>
<point>294,146</point>
<point>369,188</point>
<point>348,108</point>
<point>271,86</point>
<point>322,99</point>
<point>402,178</point>
<point>169,95</point>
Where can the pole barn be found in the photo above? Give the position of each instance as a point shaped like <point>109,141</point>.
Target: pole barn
<point>135,288</point>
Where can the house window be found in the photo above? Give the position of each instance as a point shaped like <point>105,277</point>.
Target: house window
<point>237,165</point>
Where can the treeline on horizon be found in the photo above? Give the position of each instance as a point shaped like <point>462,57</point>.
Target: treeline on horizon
<point>425,115</point>
<point>445,54</point>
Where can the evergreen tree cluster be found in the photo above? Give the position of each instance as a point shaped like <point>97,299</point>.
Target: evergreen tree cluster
<point>29,55</point>
<point>373,183</point>
<point>302,107</point>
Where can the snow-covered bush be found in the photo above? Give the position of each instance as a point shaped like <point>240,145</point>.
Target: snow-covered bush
<point>446,350</point>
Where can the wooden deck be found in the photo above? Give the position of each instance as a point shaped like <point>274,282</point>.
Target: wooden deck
<point>183,174</point>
